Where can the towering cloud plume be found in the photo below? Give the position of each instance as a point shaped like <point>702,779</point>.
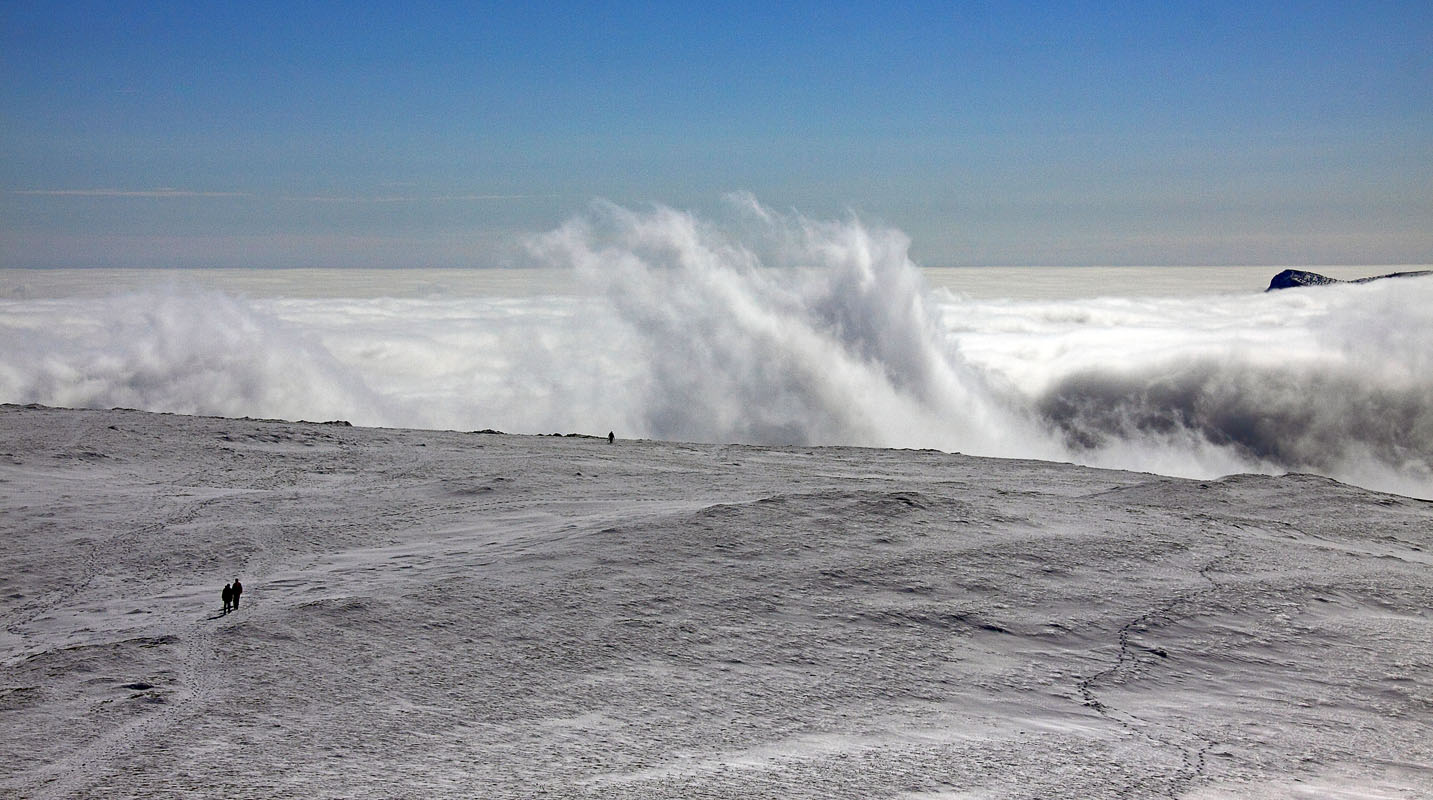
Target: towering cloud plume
<point>764,327</point>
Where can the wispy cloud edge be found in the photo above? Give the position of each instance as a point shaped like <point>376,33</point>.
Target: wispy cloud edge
<point>162,192</point>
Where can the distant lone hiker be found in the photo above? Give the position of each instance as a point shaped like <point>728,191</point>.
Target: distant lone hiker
<point>228,595</point>
<point>238,590</point>
<point>611,437</point>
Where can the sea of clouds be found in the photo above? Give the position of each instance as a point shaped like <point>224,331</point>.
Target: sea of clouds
<point>773,328</point>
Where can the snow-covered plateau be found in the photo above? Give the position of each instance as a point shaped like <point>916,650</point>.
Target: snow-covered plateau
<point>449,614</point>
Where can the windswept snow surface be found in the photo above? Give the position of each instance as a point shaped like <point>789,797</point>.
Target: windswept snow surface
<point>443,614</point>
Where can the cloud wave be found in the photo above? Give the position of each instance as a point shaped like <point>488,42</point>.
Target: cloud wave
<point>766,327</point>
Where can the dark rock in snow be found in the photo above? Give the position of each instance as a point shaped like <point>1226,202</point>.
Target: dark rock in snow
<point>1291,278</point>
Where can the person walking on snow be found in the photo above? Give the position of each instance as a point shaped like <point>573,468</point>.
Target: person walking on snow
<point>237,590</point>
<point>227,594</point>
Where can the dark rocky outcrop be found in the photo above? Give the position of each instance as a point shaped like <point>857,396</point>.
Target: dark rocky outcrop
<point>1291,278</point>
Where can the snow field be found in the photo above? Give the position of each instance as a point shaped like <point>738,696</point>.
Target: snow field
<point>446,614</point>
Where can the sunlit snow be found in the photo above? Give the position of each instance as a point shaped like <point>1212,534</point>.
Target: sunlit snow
<point>450,614</point>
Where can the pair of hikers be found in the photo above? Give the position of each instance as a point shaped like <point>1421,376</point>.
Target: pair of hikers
<point>231,595</point>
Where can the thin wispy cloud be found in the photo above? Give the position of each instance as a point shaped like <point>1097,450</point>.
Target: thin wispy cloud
<point>356,199</point>
<point>170,192</point>
<point>489,197</point>
<point>406,198</point>
<point>162,192</point>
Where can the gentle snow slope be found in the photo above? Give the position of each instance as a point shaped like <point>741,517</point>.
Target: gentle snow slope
<point>437,614</point>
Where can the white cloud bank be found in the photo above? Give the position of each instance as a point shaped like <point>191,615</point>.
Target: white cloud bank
<point>772,328</point>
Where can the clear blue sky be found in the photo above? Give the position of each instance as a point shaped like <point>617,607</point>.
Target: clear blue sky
<point>430,134</point>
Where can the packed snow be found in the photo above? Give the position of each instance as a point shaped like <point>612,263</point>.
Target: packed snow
<point>463,614</point>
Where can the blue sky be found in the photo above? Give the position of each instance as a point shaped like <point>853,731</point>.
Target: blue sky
<point>437,134</point>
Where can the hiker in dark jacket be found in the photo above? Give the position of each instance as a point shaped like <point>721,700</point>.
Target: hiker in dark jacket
<point>227,594</point>
<point>238,590</point>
